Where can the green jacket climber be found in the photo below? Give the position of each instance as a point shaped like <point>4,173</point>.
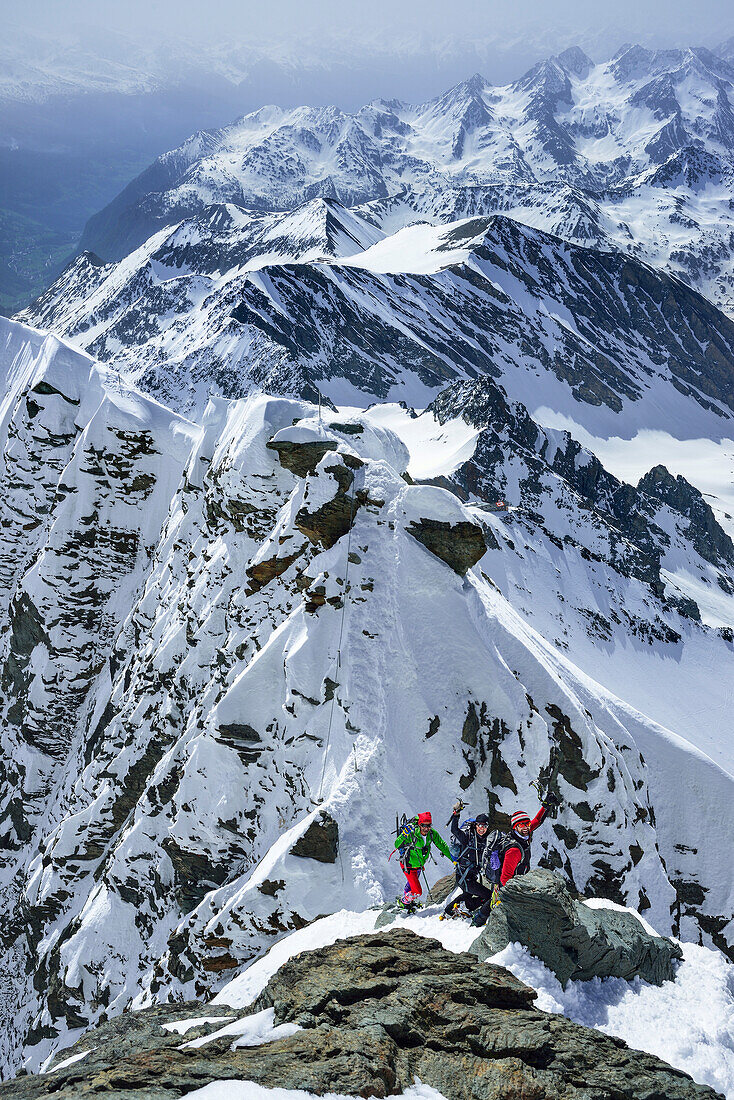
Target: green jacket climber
<point>418,844</point>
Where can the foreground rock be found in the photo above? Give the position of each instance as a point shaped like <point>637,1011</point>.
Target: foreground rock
<point>576,942</point>
<point>374,1012</point>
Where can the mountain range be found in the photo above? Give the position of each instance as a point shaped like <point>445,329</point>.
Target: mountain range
<point>639,152</point>
<point>317,507</point>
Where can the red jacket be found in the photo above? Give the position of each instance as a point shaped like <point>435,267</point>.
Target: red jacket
<point>514,854</point>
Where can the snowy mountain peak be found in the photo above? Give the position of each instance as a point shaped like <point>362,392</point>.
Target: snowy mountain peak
<point>472,88</point>
<point>599,128</point>
<point>575,61</point>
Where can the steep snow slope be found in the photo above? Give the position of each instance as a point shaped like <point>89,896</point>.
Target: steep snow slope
<point>207,652</point>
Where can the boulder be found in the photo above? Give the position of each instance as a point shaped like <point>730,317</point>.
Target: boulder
<point>576,942</point>
<point>441,889</point>
<point>373,1013</point>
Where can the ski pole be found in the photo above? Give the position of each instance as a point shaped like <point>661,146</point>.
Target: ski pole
<point>425,881</point>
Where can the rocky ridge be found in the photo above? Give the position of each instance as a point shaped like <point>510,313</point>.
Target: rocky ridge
<point>367,1016</point>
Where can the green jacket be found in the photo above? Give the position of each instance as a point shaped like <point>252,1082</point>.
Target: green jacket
<point>420,846</point>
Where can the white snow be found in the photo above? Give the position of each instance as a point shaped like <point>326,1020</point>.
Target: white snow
<point>251,1031</point>
<point>420,249</point>
<point>71,1060</point>
<point>435,449</point>
<point>182,1026</point>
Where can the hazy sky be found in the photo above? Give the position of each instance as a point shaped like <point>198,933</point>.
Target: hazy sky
<point>432,20</point>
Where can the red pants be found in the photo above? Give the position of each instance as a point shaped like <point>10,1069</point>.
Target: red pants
<point>413,885</point>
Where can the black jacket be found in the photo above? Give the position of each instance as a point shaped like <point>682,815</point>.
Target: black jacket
<point>472,846</point>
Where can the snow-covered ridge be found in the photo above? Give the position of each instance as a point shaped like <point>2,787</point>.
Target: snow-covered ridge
<point>211,642</point>
<point>319,299</point>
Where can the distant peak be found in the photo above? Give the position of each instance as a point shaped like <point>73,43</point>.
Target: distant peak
<point>466,89</point>
<point>575,61</point>
<point>475,84</point>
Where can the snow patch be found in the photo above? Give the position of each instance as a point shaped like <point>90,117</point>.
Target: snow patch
<point>252,1031</point>
<point>248,1090</point>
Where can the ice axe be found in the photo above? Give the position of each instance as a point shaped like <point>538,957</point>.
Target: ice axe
<point>545,791</point>
<point>461,806</point>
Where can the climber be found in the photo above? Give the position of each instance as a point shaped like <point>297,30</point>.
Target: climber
<point>414,845</point>
<point>468,845</point>
<point>513,848</point>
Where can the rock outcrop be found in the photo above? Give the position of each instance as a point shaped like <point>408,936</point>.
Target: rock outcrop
<point>460,545</point>
<point>320,841</point>
<point>301,458</point>
<point>373,1013</point>
<point>573,940</point>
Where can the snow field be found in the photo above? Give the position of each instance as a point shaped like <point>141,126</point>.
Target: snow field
<point>688,1023</point>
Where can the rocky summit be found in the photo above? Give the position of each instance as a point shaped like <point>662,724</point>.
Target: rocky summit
<point>365,1017</point>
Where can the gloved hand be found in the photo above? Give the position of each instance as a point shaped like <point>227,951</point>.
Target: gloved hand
<point>551,801</point>
<point>458,807</point>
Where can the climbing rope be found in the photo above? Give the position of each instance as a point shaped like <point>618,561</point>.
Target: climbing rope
<point>338,659</point>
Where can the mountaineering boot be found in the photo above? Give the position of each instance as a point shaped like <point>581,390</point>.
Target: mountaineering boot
<point>408,906</point>
<point>453,912</point>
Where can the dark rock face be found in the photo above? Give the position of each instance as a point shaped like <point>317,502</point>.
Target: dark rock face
<point>302,458</point>
<point>705,533</point>
<point>266,571</point>
<point>375,1012</point>
<point>460,545</point>
<point>320,841</point>
<point>576,942</point>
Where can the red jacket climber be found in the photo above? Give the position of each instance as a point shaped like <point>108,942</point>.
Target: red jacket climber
<point>517,854</point>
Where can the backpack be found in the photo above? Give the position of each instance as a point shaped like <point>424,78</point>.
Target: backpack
<point>407,829</point>
<point>497,844</point>
<point>458,848</point>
